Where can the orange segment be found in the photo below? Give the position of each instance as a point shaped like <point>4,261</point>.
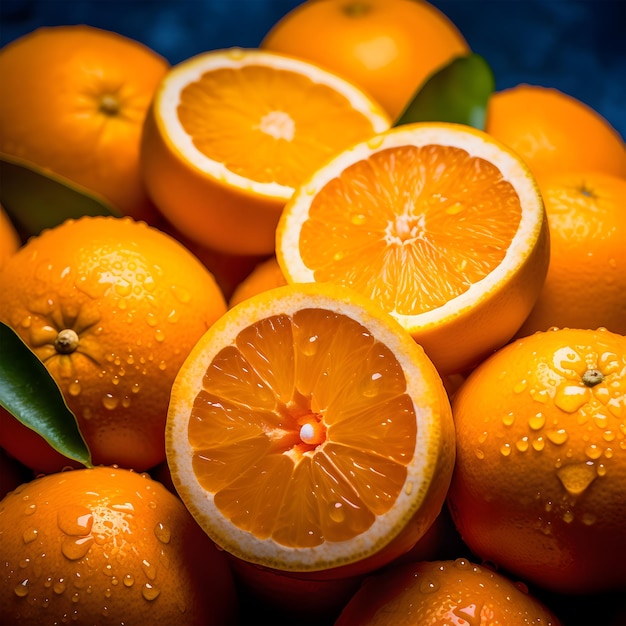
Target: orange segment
<point>307,430</point>
<point>231,133</point>
<point>437,223</point>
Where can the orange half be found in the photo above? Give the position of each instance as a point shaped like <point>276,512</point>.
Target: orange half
<point>308,431</point>
<point>440,225</point>
<point>232,132</point>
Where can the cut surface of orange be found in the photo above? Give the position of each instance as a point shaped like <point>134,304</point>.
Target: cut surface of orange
<point>308,431</point>
<point>232,132</point>
<point>437,223</point>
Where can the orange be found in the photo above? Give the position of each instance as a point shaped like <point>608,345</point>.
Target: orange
<point>231,133</point>
<point>108,546</point>
<point>307,432</point>
<point>539,487</point>
<point>586,282</point>
<point>555,132</point>
<point>387,47</point>
<point>9,239</point>
<point>265,275</point>
<point>112,307</point>
<point>444,593</point>
<point>74,100</point>
<point>439,224</point>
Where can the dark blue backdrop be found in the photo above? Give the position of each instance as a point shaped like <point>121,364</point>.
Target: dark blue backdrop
<point>578,46</point>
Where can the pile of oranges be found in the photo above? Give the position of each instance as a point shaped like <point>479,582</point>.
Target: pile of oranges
<point>313,365</point>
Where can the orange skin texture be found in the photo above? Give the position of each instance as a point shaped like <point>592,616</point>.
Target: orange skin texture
<point>108,546</point>
<point>586,282</point>
<point>75,98</point>
<point>387,47</point>
<point>539,487</point>
<point>443,593</point>
<point>137,301</point>
<point>554,132</point>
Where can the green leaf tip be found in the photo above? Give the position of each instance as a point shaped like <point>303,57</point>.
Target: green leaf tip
<point>37,199</point>
<point>31,395</point>
<point>457,93</point>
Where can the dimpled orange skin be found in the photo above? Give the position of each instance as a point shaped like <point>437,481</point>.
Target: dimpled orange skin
<point>539,487</point>
<point>554,132</point>
<point>443,593</point>
<point>74,100</point>
<point>133,302</point>
<point>386,47</point>
<point>107,546</point>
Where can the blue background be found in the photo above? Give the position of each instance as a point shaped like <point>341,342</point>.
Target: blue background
<point>577,46</point>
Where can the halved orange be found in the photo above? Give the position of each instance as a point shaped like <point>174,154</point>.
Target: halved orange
<point>232,132</point>
<point>439,224</point>
<point>308,431</point>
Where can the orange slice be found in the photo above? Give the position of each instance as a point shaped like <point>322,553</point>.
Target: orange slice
<point>308,431</point>
<point>439,224</point>
<point>231,133</point>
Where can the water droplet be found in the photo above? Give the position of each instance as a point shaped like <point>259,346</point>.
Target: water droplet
<point>110,402</point>
<point>593,451</point>
<point>539,444</point>
<point>162,533</point>
<point>336,512</point>
<point>75,597</point>
<point>482,437</point>
<point>568,517</point>
<point>181,294</point>
<point>162,366</point>
<point>59,587</point>
<point>558,436</point>
<point>159,335</point>
<point>30,535</point>
<point>505,449</point>
<point>75,520</point>
<point>463,564</point>
<point>24,563</point>
<point>30,509</point>
<point>408,488</point>
<point>429,585</point>
<point>74,388</point>
<point>570,398</point>
<point>76,548</point>
<point>601,469</point>
<point>372,385</point>
<point>576,477</point>
<point>149,569</point>
<point>128,580</point>
<point>310,345</point>
<point>150,592</point>
<point>548,506</point>
<point>537,422</point>
<point>122,287</point>
<point>608,435</point>
<point>508,419</point>
<point>522,444</point>
<point>151,319</point>
<point>21,590</point>
<point>479,453</point>
<point>520,386</point>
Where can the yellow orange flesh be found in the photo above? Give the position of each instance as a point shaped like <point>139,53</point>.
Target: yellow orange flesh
<point>438,224</point>
<point>308,437</point>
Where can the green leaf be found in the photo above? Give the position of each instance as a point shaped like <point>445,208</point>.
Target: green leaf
<point>29,393</point>
<point>459,92</point>
<point>36,199</point>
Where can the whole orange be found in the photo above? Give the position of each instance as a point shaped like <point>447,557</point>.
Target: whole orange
<point>108,546</point>
<point>586,282</point>
<point>443,593</point>
<point>539,487</point>
<point>386,47</point>
<point>112,307</point>
<point>555,132</point>
<point>9,239</point>
<point>74,100</point>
